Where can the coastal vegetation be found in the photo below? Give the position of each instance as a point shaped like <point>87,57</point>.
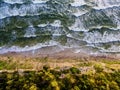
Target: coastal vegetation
<point>62,74</point>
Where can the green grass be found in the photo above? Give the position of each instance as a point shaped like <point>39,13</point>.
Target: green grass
<point>2,64</point>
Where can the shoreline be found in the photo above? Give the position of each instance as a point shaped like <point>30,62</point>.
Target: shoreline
<point>68,53</point>
<point>64,59</point>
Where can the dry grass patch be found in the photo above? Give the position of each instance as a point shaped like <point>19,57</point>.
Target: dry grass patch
<point>86,64</point>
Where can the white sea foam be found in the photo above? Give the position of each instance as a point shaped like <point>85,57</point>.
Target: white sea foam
<point>14,1</point>
<point>97,4</point>
<point>69,35</point>
<point>23,10</point>
<point>39,1</point>
<point>103,4</point>
<point>77,26</point>
<point>104,7</point>
<point>97,37</point>
<point>24,1</point>
<point>56,23</point>
<point>79,13</point>
<point>77,3</point>
<point>30,32</point>
<point>27,48</point>
<point>42,25</point>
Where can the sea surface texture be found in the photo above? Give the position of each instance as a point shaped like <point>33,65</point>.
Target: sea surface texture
<point>32,24</point>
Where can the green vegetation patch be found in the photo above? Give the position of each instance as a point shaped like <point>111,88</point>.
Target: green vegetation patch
<point>51,79</point>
